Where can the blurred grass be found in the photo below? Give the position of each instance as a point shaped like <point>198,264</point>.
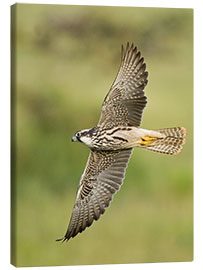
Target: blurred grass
<point>66,59</point>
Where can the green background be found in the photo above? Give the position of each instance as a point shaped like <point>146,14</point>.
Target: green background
<point>64,60</point>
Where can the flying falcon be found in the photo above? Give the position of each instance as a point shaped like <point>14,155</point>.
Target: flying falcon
<point>112,140</point>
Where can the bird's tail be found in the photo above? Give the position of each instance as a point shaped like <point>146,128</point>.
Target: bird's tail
<point>171,143</point>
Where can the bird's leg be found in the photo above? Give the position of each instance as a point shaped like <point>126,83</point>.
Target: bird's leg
<point>147,140</point>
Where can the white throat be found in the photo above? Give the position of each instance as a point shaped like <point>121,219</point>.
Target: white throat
<point>86,140</point>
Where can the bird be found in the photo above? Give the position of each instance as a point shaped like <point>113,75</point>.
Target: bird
<point>112,140</point>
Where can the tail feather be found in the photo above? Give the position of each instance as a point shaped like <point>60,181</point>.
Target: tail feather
<point>177,132</point>
<point>171,143</point>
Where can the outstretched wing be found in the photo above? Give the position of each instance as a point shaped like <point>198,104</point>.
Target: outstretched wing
<point>126,100</point>
<point>102,177</point>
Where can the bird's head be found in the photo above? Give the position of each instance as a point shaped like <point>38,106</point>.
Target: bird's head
<point>84,136</point>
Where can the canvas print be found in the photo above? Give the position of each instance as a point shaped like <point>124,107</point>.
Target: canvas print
<point>93,88</point>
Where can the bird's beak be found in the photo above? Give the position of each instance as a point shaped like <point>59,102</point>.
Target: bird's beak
<point>74,139</point>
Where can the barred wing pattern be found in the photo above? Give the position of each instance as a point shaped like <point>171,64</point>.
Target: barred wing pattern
<point>102,177</point>
<point>126,100</point>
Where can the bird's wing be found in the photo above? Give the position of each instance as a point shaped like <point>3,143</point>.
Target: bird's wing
<point>125,102</point>
<point>102,177</point>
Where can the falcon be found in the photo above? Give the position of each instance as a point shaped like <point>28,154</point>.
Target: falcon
<point>112,140</point>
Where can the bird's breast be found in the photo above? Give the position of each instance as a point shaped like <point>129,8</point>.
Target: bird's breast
<point>116,138</point>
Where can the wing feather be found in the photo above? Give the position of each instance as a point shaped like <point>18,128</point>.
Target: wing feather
<point>126,100</point>
<point>104,173</point>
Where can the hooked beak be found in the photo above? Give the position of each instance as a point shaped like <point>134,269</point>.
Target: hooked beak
<point>74,139</point>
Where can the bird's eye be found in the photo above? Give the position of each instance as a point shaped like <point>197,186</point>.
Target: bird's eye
<point>77,134</point>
